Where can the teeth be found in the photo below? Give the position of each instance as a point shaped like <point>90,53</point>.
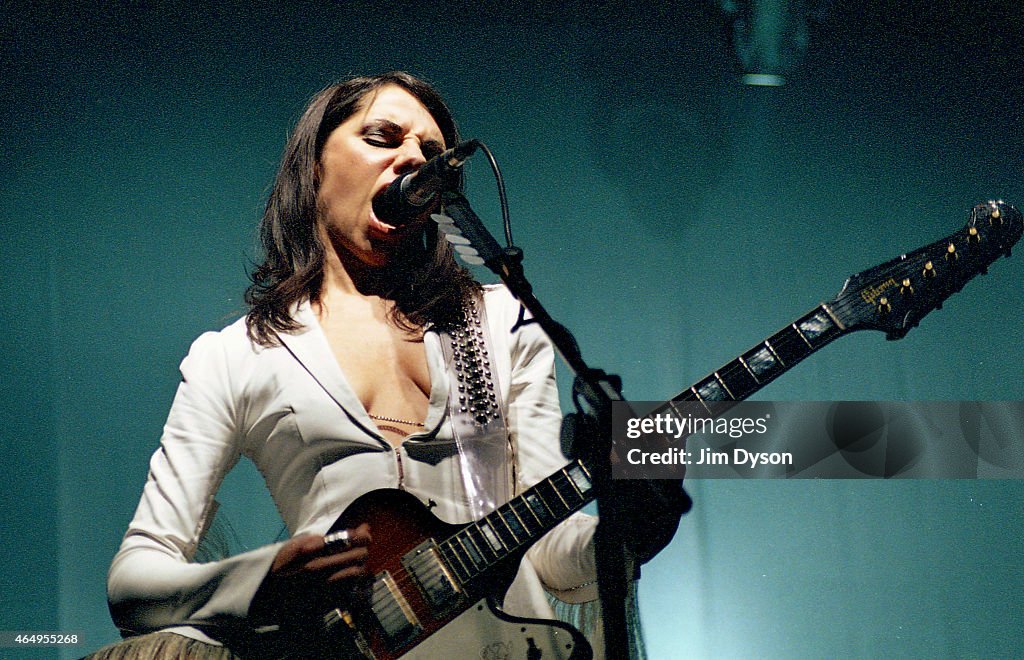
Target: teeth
<point>376,223</point>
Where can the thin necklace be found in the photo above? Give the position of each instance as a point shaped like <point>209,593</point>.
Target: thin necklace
<point>381,418</point>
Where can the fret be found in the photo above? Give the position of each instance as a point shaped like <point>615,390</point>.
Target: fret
<point>685,396</point>
<point>539,508</point>
<point>749,370</point>
<point>505,535</point>
<point>476,547</point>
<point>790,349</point>
<point>760,365</point>
<point>737,381</point>
<point>569,495</point>
<point>490,534</point>
<point>480,542</point>
<point>569,480</point>
<point>818,328</point>
<point>675,409</point>
<point>836,321</point>
<point>793,325</point>
<point>725,387</point>
<point>551,486</point>
<point>471,549</point>
<point>709,390</point>
<point>526,504</point>
<point>776,355</point>
<point>514,522</point>
<point>452,558</point>
<point>763,364</point>
<point>580,478</point>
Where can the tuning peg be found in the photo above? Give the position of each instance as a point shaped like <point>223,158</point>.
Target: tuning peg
<point>973,236</point>
<point>929,271</point>
<point>995,218</point>
<point>883,306</point>
<point>905,288</point>
<point>951,254</point>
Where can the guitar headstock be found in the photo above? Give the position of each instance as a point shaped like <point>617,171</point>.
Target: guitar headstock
<point>893,297</point>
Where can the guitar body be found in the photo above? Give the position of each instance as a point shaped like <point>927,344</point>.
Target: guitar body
<point>416,592</point>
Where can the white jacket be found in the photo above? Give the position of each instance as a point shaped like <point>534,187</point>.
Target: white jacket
<point>289,409</point>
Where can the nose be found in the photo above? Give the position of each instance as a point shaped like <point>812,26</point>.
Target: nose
<point>410,157</point>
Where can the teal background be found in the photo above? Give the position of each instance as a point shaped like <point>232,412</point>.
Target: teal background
<point>670,216</point>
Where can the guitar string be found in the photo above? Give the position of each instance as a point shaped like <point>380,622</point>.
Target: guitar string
<point>466,560</point>
<point>788,336</point>
<point>402,578</point>
<point>905,269</point>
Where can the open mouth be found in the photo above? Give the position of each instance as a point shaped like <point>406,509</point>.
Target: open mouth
<point>387,229</point>
<point>379,225</point>
<point>376,224</point>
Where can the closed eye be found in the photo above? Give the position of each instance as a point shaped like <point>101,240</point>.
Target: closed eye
<point>379,141</point>
<point>389,135</point>
<point>382,134</point>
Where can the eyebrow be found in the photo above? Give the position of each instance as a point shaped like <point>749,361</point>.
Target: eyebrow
<point>391,126</point>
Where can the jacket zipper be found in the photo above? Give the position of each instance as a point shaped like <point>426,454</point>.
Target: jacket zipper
<point>401,469</point>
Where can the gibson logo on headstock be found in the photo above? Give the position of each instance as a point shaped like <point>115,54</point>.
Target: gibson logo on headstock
<point>872,292</point>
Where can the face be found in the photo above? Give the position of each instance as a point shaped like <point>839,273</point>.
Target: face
<point>390,134</point>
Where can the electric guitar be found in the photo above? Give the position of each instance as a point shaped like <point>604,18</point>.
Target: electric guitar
<point>428,573</point>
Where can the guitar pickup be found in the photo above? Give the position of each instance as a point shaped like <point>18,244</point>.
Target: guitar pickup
<point>393,612</point>
<point>437,584</point>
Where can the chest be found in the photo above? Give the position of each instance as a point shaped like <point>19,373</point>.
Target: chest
<point>385,366</point>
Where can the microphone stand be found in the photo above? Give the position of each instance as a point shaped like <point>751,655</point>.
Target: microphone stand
<point>598,389</point>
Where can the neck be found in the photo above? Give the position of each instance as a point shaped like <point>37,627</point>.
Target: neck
<point>351,284</point>
<point>346,275</point>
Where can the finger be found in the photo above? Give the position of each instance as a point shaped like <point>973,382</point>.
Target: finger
<point>337,560</point>
<point>348,573</point>
<point>295,552</point>
<point>343,539</point>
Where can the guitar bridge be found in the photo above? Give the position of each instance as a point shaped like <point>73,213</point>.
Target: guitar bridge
<point>346,640</point>
<point>437,584</point>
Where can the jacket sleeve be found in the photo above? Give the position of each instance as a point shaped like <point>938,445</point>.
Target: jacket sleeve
<point>563,558</point>
<point>152,582</point>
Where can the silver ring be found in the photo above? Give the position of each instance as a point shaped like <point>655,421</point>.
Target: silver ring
<point>342,540</point>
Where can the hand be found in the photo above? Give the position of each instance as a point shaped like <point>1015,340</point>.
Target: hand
<point>308,578</point>
<point>651,512</point>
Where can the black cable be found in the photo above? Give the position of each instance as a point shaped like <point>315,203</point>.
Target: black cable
<point>502,197</point>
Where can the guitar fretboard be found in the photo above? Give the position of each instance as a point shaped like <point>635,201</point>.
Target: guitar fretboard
<point>519,523</point>
<point>762,364</point>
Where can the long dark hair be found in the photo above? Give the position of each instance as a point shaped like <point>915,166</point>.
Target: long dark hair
<point>429,286</point>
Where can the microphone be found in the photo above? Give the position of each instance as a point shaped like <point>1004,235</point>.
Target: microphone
<point>407,196</point>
